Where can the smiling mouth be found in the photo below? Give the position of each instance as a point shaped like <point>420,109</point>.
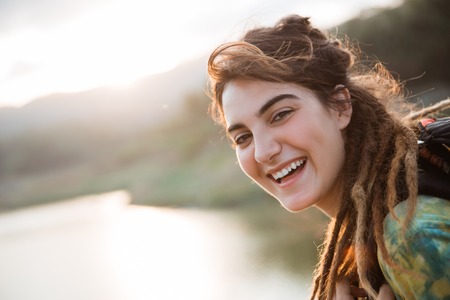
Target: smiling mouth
<point>293,168</point>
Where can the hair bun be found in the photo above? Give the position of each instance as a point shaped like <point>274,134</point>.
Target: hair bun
<point>293,20</point>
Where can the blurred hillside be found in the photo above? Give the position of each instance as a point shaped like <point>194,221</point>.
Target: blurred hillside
<point>412,41</point>
<point>154,138</point>
<point>70,144</point>
<point>149,101</point>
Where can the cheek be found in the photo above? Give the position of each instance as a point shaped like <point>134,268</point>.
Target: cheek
<point>246,162</point>
<point>338,154</point>
<point>326,148</point>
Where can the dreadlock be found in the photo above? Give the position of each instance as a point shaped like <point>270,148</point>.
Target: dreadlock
<point>380,168</point>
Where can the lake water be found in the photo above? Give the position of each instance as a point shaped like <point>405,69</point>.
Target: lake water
<point>101,248</point>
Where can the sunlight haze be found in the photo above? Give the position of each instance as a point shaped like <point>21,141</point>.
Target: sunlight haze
<point>69,46</point>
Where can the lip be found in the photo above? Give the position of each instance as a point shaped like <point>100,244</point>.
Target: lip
<point>291,179</point>
<point>286,165</point>
<point>283,165</point>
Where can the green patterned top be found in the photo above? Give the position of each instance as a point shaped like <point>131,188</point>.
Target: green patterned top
<point>425,248</point>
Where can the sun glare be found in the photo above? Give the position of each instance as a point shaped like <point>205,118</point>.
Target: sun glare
<point>119,41</point>
<point>112,45</point>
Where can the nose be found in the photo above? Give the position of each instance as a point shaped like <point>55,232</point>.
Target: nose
<point>266,147</point>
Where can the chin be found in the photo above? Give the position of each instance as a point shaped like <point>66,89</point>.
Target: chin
<point>295,205</point>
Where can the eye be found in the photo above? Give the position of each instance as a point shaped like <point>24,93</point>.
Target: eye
<point>242,140</point>
<point>282,115</point>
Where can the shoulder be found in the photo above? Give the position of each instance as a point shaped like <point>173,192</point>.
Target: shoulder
<point>429,227</point>
<point>431,212</point>
<point>430,224</point>
<point>423,247</point>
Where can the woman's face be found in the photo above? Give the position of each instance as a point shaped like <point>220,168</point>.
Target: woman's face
<point>287,141</point>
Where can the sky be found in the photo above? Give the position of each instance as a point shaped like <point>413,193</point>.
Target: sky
<point>50,46</point>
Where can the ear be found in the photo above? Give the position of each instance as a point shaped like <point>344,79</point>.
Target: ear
<point>343,102</point>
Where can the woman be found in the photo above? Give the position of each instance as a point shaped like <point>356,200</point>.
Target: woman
<point>313,128</point>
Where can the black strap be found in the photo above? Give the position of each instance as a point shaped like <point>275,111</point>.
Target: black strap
<point>432,181</point>
<point>434,157</point>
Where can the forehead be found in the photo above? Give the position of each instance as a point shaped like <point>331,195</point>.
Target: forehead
<point>239,98</point>
<point>242,99</point>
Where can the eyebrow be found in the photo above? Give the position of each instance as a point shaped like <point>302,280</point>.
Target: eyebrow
<point>274,100</point>
<point>264,108</point>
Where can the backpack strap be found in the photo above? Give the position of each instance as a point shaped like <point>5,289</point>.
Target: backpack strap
<point>434,157</point>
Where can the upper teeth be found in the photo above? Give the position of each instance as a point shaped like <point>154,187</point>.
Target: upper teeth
<point>287,170</point>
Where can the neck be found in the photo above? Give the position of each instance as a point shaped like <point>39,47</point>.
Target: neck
<point>330,205</point>
<point>331,212</point>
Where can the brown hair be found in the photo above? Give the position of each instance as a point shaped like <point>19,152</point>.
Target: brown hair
<point>380,168</point>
